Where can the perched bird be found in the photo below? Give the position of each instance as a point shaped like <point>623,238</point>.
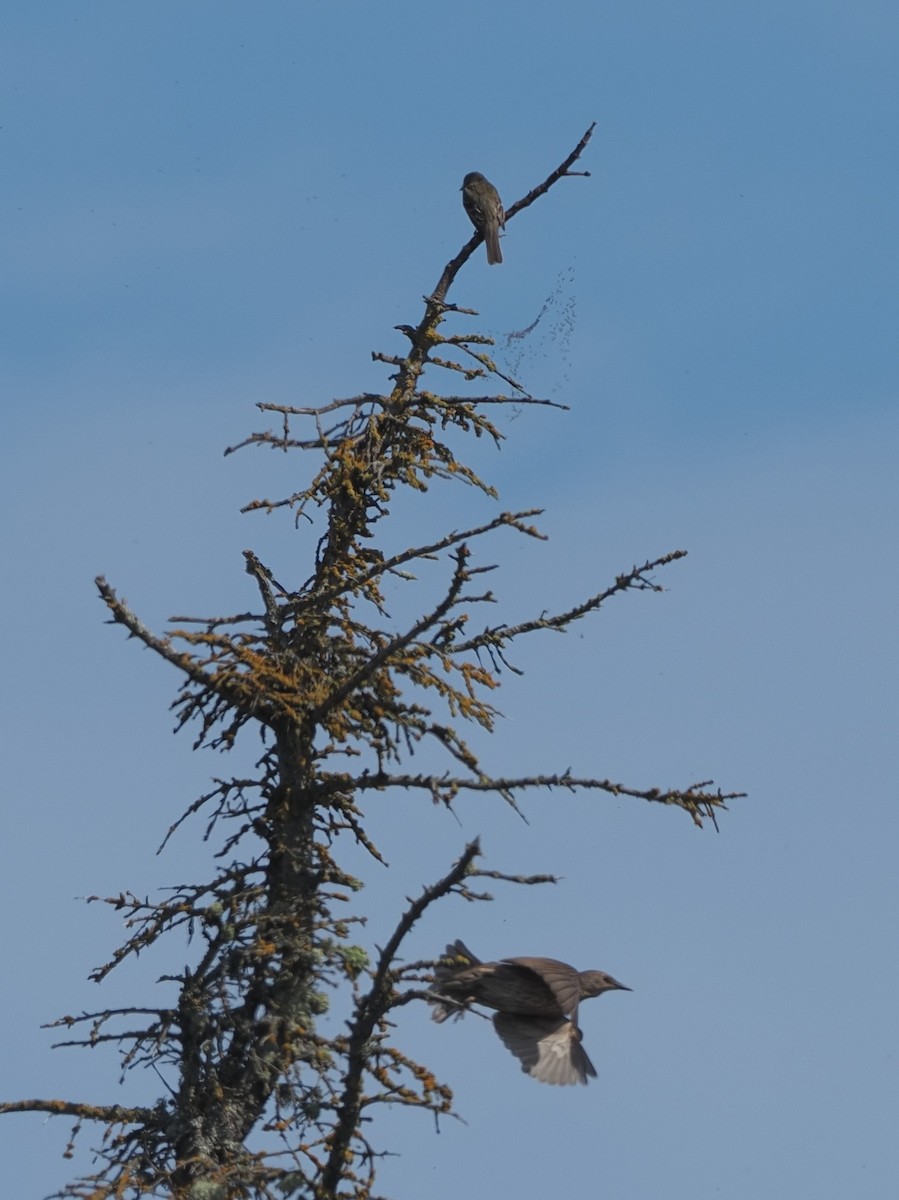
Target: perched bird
<point>536,1001</point>
<point>485,210</point>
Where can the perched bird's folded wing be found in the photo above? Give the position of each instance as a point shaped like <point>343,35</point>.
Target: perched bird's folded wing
<point>562,980</point>
<point>548,1049</point>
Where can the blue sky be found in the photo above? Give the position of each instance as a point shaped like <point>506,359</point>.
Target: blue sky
<point>206,205</point>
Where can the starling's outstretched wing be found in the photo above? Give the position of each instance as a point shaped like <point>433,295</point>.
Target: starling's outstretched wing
<point>549,1050</point>
<point>562,980</point>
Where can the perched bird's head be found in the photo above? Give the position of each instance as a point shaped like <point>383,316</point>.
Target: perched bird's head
<point>594,983</point>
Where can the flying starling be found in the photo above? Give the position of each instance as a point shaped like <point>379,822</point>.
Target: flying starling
<point>536,1001</point>
<point>485,210</point>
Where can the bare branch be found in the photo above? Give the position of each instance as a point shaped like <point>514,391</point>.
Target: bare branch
<point>370,1010</point>
<point>635,579</point>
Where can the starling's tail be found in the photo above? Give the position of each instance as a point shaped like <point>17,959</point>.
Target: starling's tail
<point>456,957</point>
<point>459,951</point>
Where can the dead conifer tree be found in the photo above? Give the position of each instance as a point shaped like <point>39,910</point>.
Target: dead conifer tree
<point>265,1104</point>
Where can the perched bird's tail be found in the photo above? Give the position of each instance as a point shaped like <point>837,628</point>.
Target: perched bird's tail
<point>491,240</point>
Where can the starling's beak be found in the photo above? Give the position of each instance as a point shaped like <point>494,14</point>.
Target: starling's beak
<point>622,987</point>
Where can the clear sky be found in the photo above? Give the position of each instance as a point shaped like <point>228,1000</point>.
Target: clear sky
<point>205,205</point>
